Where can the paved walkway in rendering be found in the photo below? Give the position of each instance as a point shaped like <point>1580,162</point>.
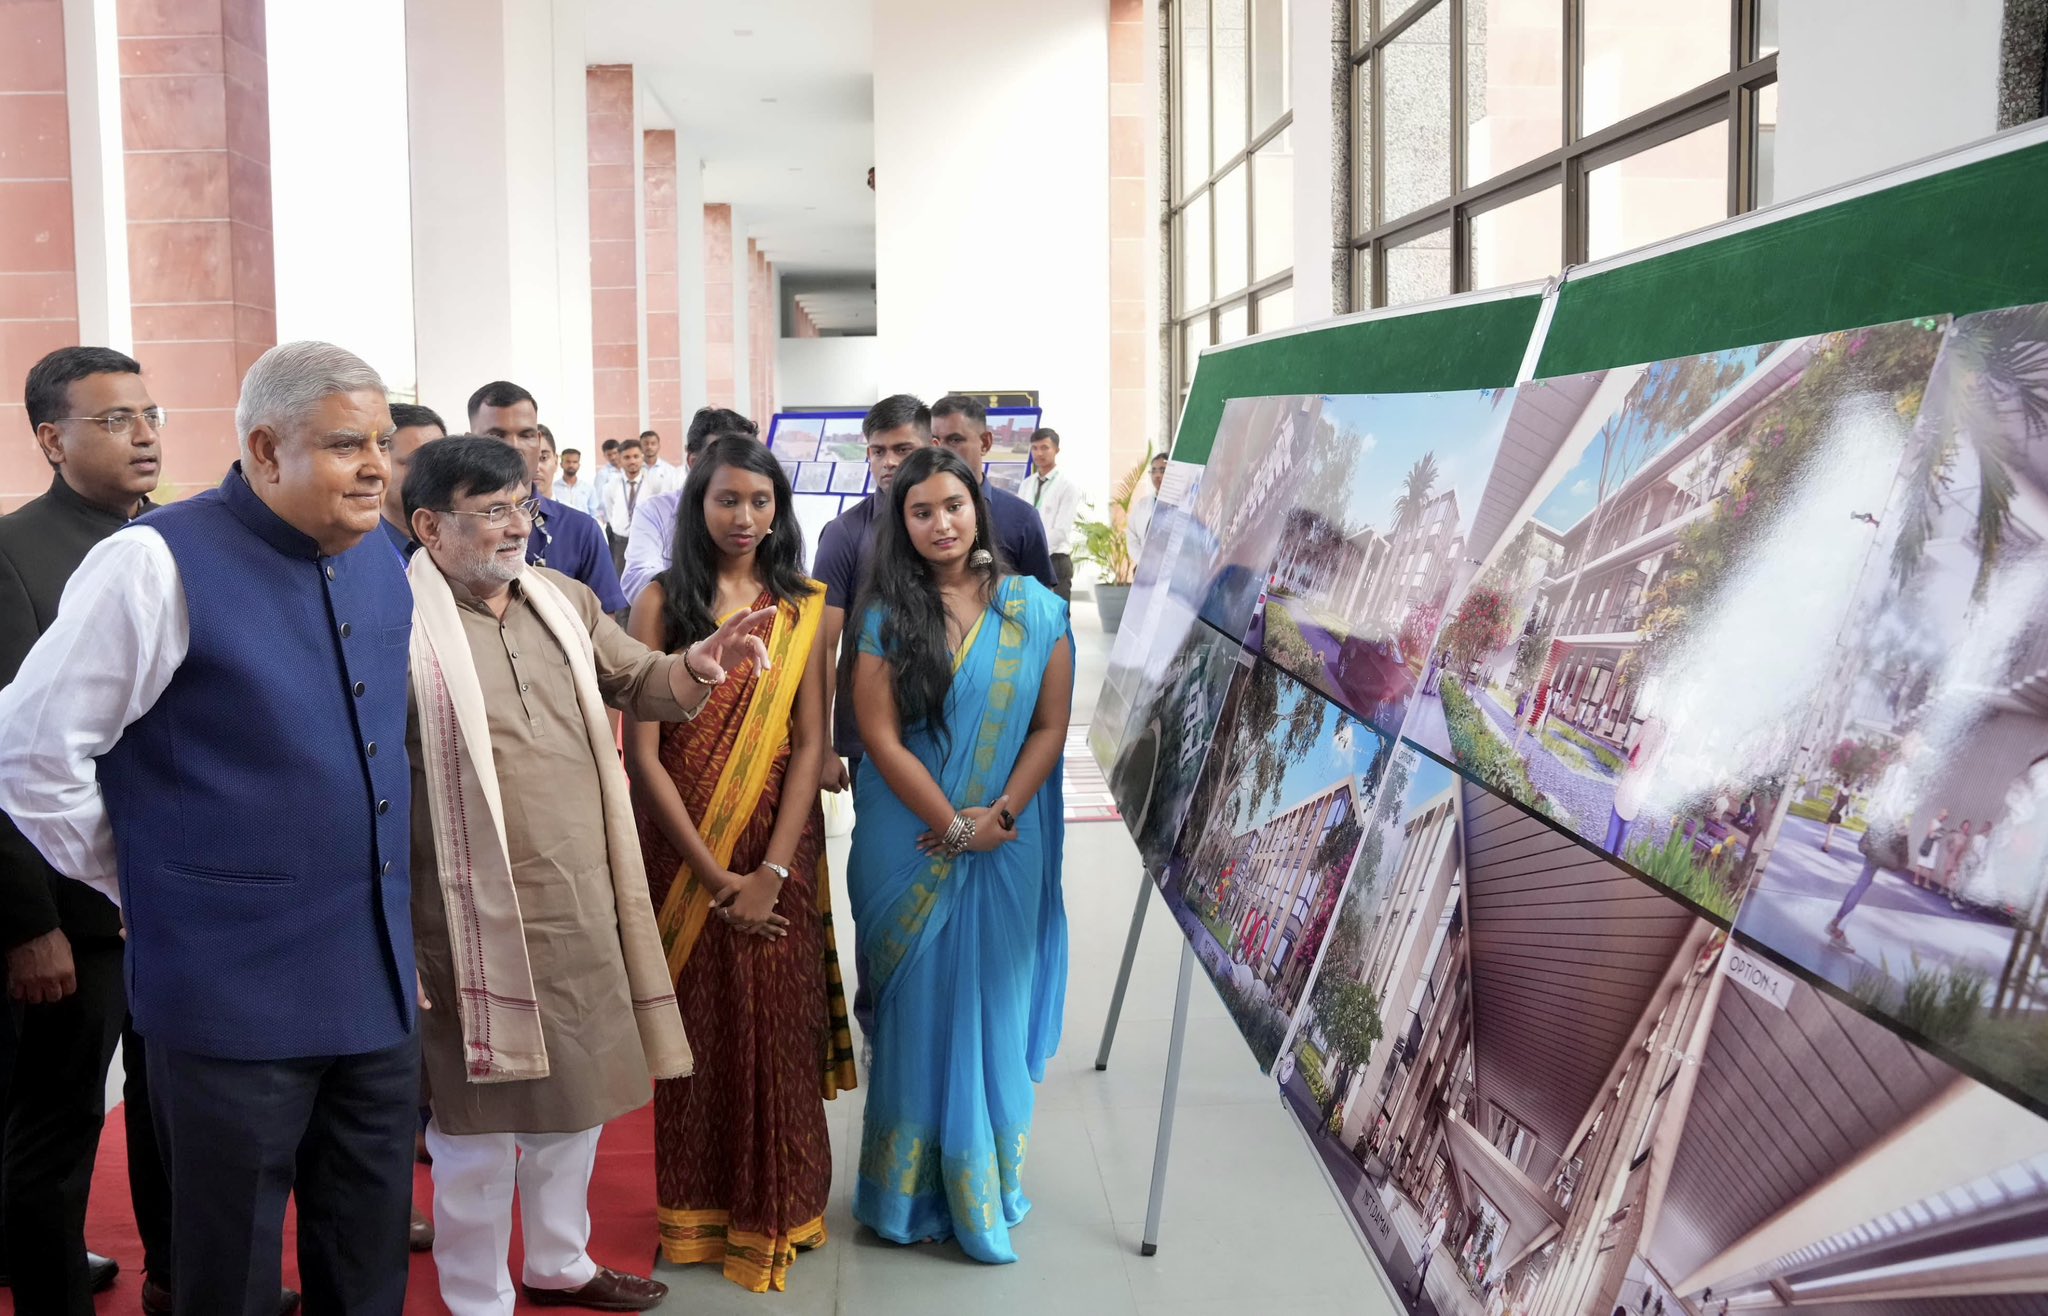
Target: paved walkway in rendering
<point>1894,923</point>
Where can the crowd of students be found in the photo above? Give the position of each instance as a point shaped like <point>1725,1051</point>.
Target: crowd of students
<point>314,804</point>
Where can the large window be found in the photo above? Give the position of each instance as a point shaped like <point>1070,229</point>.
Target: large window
<point>1495,141</point>
<point>1231,223</point>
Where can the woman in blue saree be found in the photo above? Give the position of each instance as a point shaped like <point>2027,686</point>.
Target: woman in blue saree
<point>962,680</point>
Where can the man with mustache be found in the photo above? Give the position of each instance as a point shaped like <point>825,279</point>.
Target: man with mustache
<point>552,1005</point>
<point>211,733</point>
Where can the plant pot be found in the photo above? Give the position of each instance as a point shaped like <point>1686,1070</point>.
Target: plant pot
<point>1109,602</point>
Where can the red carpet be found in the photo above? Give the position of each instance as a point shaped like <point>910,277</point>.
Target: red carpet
<point>622,1229</point>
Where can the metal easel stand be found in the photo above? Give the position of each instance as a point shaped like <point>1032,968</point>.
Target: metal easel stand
<point>1123,972</point>
<point>1149,1244</point>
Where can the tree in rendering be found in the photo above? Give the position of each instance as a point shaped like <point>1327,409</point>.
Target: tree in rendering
<point>1854,762</point>
<point>1483,623</point>
<point>1417,488</point>
<point>1992,400</point>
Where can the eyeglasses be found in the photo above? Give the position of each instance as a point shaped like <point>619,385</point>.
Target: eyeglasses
<point>118,423</point>
<point>500,515</point>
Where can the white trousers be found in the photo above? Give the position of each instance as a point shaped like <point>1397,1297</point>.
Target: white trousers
<point>474,1177</point>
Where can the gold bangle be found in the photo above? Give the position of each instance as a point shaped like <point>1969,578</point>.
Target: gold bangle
<point>693,671</point>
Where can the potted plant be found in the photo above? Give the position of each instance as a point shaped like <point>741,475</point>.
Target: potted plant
<point>1106,544</point>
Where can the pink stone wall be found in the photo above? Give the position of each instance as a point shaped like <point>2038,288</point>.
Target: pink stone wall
<point>805,326</point>
<point>195,122</point>
<point>721,359</point>
<point>614,246</point>
<point>664,292</point>
<point>1132,135</point>
<point>763,328</point>
<point>38,285</point>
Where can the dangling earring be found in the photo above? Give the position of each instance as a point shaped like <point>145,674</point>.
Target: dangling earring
<point>981,559</point>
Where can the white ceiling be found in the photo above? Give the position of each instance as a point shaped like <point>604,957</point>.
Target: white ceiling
<point>777,98</point>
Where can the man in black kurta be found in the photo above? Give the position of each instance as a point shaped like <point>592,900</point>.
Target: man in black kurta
<point>92,415</point>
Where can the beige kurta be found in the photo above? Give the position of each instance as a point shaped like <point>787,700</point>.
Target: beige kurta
<point>554,829</point>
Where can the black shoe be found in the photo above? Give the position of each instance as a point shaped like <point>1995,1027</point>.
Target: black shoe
<point>102,1270</point>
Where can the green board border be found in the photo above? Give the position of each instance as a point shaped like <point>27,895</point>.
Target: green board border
<point>1476,345</point>
<point>1965,239</point>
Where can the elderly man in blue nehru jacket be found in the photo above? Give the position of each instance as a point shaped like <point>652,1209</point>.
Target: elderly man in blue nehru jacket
<point>213,733</point>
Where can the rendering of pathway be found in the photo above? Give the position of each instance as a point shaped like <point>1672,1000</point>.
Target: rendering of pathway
<point>1395,1251</point>
<point>1584,799</point>
<point>1895,923</point>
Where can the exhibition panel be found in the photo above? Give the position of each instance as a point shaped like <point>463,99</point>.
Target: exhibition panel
<point>1623,821</point>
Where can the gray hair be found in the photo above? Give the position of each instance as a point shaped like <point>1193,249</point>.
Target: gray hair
<point>290,380</point>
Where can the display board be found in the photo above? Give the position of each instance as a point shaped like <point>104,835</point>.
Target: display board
<point>1677,939</point>
<point>825,456</point>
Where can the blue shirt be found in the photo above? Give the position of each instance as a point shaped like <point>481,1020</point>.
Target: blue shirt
<point>398,539</point>
<point>575,545</point>
<point>844,546</point>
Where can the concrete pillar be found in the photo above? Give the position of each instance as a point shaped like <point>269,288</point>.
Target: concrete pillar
<point>38,283</point>
<point>721,378</point>
<point>689,257</point>
<point>1133,319</point>
<point>989,293</point>
<point>742,272</point>
<point>1311,55</point>
<point>763,328</point>
<point>615,257</point>
<point>196,131</point>
<point>500,204</point>
<point>664,336</point>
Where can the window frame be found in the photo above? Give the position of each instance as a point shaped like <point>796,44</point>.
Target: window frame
<point>1183,193</point>
<point>1730,99</point>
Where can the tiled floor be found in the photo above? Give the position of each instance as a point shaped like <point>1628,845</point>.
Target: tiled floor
<point>1250,1226</point>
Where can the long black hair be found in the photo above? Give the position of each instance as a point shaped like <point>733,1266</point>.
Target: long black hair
<point>691,581</point>
<point>898,586</point>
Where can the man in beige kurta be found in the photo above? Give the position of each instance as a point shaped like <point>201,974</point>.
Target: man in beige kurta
<point>560,932</point>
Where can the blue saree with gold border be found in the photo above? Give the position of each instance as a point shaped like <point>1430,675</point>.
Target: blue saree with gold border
<point>964,958</point>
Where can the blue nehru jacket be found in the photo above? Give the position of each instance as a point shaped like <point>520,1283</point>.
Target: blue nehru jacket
<point>262,806</point>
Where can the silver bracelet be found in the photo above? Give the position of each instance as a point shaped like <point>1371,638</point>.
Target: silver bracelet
<point>959,835</point>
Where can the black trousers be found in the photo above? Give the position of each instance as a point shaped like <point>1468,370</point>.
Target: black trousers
<point>149,1175</point>
<point>1063,572</point>
<point>243,1135</point>
<point>863,1004</point>
<point>56,1104</point>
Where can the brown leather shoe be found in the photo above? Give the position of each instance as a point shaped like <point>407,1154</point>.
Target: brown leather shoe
<point>422,1236</point>
<point>608,1291</point>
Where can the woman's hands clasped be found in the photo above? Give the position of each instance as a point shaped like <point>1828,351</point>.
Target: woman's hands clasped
<point>748,905</point>
<point>990,830</point>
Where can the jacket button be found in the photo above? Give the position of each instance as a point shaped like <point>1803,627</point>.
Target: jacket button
<point>385,871</point>
<point>359,688</point>
<point>346,630</point>
<point>383,807</point>
<point>330,573</point>
<point>370,749</point>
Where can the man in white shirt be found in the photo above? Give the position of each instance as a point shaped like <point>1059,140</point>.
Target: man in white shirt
<point>1138,520</point>
<point>652,539</point>
<point>624,496</point>
<point>1058,500</point>
<point>573,488</point>
<point>606,473</point>
<point>662,476</point>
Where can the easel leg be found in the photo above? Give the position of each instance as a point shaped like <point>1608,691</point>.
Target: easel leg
<point>1149,1245</point>
<point>1123,973</point>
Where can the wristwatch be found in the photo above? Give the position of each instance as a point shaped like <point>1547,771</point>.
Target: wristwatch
<point>781,873</point>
